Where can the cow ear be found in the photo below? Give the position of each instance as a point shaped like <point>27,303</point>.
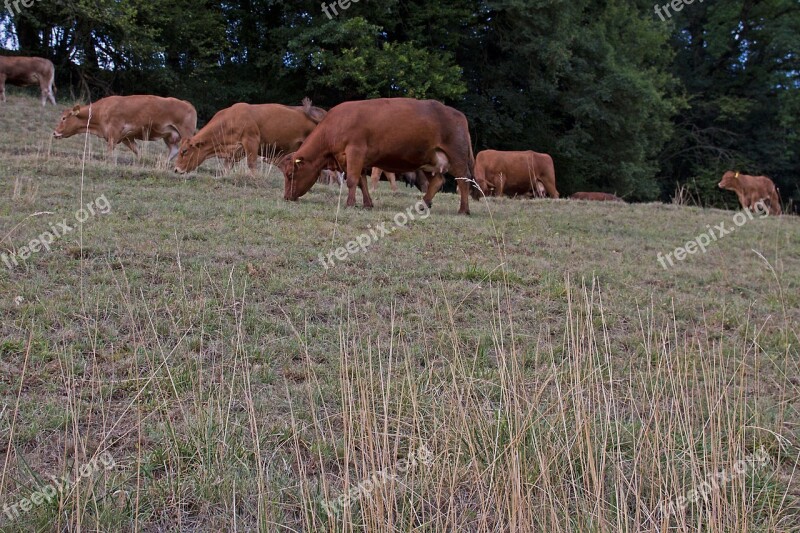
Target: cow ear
<point>75,111</point>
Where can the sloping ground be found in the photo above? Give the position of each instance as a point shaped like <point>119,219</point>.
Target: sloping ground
<point>553,373</point>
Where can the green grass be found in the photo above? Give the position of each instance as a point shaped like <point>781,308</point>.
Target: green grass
<point>563,380</point>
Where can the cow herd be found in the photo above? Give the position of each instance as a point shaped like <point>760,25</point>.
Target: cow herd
<point>419,140</point>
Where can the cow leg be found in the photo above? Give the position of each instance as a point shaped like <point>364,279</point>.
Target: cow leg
<point>376,176</point>
<point>173,149</point>
<point>463,190</point>
<point>45,91</point>
<point>131,144</point>
<point>173,142</point>
<point>435,183</point>
<point>355,169</point>
<point>392,177</point>
<point>364,184</point>
<point>549,185</point>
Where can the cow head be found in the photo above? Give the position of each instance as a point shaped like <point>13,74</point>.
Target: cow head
<point>191,155</point>
<point>299,176</point>
<point>72,121</point>
<point>730,181</point>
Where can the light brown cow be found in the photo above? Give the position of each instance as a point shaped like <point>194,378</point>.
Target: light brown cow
<point>596,197</point>
<point>26,71</point>
<point>751,190</point>
<point>427,135</point>
<point>515,173</point>
<point>126,119</point>
<point>247,131</point>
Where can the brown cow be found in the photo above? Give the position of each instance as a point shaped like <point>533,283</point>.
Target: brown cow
<point>248,131</point>
<point>26,71</point>
<point>126,119</point>
<point>515,173</point>
<point>751,190</point>
<point>427,136</point>
<point>596,197</point>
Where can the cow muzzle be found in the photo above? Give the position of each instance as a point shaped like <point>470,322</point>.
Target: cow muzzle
<point>57,135</point>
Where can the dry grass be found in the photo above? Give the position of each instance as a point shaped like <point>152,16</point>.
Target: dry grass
<point>562,380</point>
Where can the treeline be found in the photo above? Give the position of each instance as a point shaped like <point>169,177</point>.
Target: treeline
<point>624,101</point>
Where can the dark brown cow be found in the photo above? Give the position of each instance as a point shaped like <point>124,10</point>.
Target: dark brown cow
<point>596,197</point>
<point>126,119</point>
<point>515,173</point>
<point>26,71</point>
<point>247,131</point>
<point>751,190</point>
<point>425,135</point>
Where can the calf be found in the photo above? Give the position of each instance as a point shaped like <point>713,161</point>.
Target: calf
<point>751,190</point>
<point>126,119</point>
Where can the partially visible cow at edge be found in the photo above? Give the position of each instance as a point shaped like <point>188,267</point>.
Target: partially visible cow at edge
<point>751,190</point>
<point>596,197</point>
<point>27,71</point>
<point>515,174</point>
<point>428,136</point>
<point>247,131</point>
<point>126,119</point>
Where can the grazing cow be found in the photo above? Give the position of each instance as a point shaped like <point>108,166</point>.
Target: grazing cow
<point>515,173</point>
<point>26,71</point>
<point>596,197</point>
<point>751,190</point>
<point>427,136</point>
<point>126,119</point>
<point>247,131</point>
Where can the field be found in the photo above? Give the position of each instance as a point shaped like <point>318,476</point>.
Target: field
<point>530,368</point>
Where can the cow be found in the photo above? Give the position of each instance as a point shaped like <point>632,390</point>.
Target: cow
<point>426,135</point>
<point>596,197</point>
<point>751,190</point>
<point>515,173</point>
<point>126,119</point>
<point>27,71</point>
<point>247,131</point>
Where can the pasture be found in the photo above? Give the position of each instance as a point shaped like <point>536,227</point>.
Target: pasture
<point>560,378</point>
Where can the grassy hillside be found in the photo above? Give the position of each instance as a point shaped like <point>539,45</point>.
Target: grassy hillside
<point>535,362</point>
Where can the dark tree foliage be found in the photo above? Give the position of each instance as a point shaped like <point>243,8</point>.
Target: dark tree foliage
<point>624,101</point>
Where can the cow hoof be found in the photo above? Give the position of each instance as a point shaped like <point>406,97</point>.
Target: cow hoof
<point>465,213</point>
<point>429,204</point>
